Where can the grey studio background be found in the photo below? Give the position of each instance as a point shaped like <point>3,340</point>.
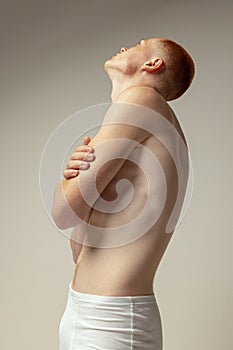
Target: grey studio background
<point>52,55</point>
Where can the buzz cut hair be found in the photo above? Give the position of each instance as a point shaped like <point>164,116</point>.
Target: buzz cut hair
<point>179,70</point>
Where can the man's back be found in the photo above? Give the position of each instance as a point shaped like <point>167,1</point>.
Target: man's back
<point>129,269</point>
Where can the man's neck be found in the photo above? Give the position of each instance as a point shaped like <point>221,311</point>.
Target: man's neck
<point>118,88</point>
<point>120,84</point>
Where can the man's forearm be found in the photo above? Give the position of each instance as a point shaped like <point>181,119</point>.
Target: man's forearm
<point>63,214</point>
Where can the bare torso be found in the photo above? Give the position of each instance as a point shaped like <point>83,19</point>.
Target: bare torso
<point>130,269</point>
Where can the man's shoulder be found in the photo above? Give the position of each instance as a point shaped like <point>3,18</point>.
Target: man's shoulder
<point>145,96</point>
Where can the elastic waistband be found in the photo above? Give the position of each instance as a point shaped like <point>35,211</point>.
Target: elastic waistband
<point>137,299</point>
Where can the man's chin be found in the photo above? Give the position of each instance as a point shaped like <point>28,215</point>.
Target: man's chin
<point>107,63</point>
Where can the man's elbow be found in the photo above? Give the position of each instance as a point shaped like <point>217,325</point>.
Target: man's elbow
<point>59,219</point>
<point>62,213</point>
<point>63,216</point>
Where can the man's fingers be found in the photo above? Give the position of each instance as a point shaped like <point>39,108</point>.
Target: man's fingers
<point>68,173</point>
<point>73,166</point>
<point>86,140</point>
<point>76,164</point>
<point>79,159</point>
<point>87,156</point>
<point>84,148</point>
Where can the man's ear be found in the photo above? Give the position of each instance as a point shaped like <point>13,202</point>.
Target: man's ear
<point>153,65</point>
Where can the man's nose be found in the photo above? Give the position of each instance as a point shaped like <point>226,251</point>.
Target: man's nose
<point>123,49</point>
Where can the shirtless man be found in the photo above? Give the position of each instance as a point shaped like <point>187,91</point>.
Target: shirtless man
<point>147,75</point>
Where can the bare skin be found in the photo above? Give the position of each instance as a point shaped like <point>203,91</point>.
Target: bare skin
<point>129,269</point>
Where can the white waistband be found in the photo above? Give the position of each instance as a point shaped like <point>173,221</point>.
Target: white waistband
<point>110,298</point>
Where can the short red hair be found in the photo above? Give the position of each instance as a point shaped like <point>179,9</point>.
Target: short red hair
<point>179,69</point>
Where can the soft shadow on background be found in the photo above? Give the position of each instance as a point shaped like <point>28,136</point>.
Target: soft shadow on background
<point>52,55</point>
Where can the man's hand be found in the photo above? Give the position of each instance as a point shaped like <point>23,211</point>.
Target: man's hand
<point>79,159</point>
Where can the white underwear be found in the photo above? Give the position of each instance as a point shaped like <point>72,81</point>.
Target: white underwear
<point>110,322</point>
